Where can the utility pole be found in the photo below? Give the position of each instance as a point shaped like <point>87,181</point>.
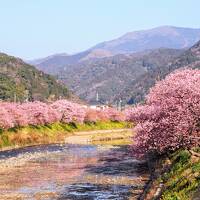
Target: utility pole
<point>97,97</point>
<point>119,105</point>
<point>26,95</point>
<point>15,97</point>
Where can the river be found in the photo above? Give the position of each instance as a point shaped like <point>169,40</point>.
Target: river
<point>71,172</point>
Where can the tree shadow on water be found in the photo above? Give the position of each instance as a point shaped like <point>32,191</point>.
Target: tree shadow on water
<point>114,162</point>
<point>89,191</point>
<point>119,161</point>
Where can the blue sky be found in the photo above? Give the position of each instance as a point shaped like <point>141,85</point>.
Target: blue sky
<point>37,28</point>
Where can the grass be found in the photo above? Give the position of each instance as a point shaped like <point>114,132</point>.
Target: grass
<point>176,176</point>
<point>183,179</point>
<point>51,133</point>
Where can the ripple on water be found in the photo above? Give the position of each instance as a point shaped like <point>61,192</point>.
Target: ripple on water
<point>96,192</point>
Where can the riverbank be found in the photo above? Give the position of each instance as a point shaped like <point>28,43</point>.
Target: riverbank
<point>56,133</point>
<point>174,177</point>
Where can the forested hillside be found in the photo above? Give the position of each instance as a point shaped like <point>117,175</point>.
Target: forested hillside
<point>112,75</point>
<point>136,91</point>
<point>20,81</point>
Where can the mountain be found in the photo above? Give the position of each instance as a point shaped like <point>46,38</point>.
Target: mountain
<point>110,76</point>
<point>20,81</point>
<point>137,89</point>
<point>55,63</point>
<point>127,77</point>
<point>41,60</point>
<point>124,68</point>
<point>159,37</point>
<point>137,41</point>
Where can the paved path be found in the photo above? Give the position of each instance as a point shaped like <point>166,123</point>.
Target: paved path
<point>87,136</point>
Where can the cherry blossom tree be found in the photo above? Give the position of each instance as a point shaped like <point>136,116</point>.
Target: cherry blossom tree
<point>170,119</point>
<point>115,115</point>
<point>91,115</point>
<point>69,112</point>
<point>39,113</point>
<point>6,119</point>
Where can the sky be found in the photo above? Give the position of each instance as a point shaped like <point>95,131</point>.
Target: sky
<point>33,29</point>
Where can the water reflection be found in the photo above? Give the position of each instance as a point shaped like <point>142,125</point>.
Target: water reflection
<point>71,172</point>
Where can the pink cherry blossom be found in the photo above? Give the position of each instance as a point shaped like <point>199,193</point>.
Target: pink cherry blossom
<point>69,111</point>
<point>39,113</point>
<point>170,118</point>
<point>115,115</point>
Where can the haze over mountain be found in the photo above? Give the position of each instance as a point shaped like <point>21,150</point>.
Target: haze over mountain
<point>41,60</point>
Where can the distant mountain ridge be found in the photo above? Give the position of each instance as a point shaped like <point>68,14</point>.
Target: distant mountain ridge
<point>41,60</point>
<point>137,41</point>
<point>159,37</point>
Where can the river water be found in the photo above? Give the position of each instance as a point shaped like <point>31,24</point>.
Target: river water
<point>71,172</point>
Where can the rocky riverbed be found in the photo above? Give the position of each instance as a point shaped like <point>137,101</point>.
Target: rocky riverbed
<point>72,172</point>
